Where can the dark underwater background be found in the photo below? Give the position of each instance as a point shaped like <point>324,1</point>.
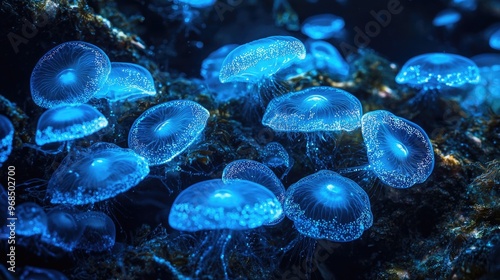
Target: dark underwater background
<point>445,228</point>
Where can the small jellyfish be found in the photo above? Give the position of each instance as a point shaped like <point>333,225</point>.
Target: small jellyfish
<point>35,273</point>
<point>198,3</point>
<point>99,231</point>
<point>327,58</point>
<point>69,74</point>
<point>127,81</point>
<point>31,219</point>
<point>326,205</point>
<point>446,18</point>
<point>68,122</point>
<point>256,172</point>
<point>494,40</point>
<point>324,26</point>
<point>164,131</point>
<point>6,138</point>
<point>101,172</point>
<point>486,95</point>
<point>277,158</point>
<point>63,230</point>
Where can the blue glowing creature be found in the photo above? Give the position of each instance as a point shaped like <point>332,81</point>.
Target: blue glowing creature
<point>326,205</point>
<point>324,26</point>
<point>447,18</point>
<point>127,81</point>
<point>71,73</point>
<point>327,58</point>
<point>494,40</point>
<point>35,273</point>
<point>486,95</point>
<point>198,3</point>
<point>68,122</point>
<point>31,219</point>
<point>164,131</point>
<point>99,231</point>
<point>98,173</point>
<point>6,138</point>
<point>314,109</point>
<point>277,158</point>
<point>256,172</point>
<point>399,151</point>
<point>63,230</point>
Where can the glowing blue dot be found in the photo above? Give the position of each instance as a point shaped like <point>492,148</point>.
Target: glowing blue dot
<point>213,204</point>
<point>101,172</point>
<point>127,81</point>
<point>68,122</point>
<point>256,172</point>
<point>314,109</point>
<point>166,130</point>
<point>198,3</point>
<point>6,138</point>
<point>63,230</point>
<point>446,17</point>
<point>495,40</point>
<point>326,205</point>
<point>31,219</point>
<point>35,273</point>
<point>438,69</point>
<point>326,57</point>
<point>71,73</point>
<point>261,58</point>
<point>399,151</point>
<point>99,231</point>
<point>324,26</point>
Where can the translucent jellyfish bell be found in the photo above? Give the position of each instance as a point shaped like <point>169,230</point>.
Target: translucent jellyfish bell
<point>324,26</point>
<point>327,58</point>
<point>213,204</point>
<point>261,58</point>
<point>6,138</point>
<point>198,3</point>
<point>399,151</point>
<point>68,122</point>
<point>314,109</point>
<point>31,219</point>
<point>71,73</point>
<point>63,230</point>
<point>275,156</point>
<point>166,130</point>
<point>326,205</point>
<point>256,172</point>
<point>494,40</point>
<point>99,231</point>
<point>101,172</point>
<point>447,17</point>
<point>127,81</point>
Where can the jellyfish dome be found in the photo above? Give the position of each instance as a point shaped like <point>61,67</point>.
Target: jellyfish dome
<point>68,122</point>
<point>433,70</point>
<point>198,3</point>
<point>261,58</point>
<point>326,57</point>
<point>399,151</point>
<point>99,231</point>
<point>6,138</point>
<point>234,205</point>
<point>326,205</point>
<point>166,130</point>
<point>31,219</point>
<point>127,81</point>
<point>69,74</point>
<point>63,230</point>
<point>314,109</point>
<point>446,17</point>
<point>256,172</point>
<point>324,26</point>
<point>494,40</point>
<point>102,171</point>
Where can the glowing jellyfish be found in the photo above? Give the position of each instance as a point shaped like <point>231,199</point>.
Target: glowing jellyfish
<point>35,273</point>
<point>324,26</point>
<point>260,59</point>
<point>327,58</point>
<point>486,95</point>
<point>68,122</point>
<point>71,73</point>
<point>256,172</point>
<point>166,130</point>
<point>101,172</point>
<point>494,40</point>
<point>326,205</point>
<point>6,138</point>
<point>31,219</point>
<point>399,151</point>
<point>127,81</point>
<point>277,158</point>
<point>99,231</point>
<point>198,3</point>
<point>447,17</point>
<point>314,109</point>
<point>63,230</point>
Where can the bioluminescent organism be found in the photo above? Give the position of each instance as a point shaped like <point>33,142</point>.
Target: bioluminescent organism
<point>324,26</point>
<point>6,138</point>
<point>314,109</point>
<point>63,230</point>
<point>198,3</point>
<point>99,231</point>
<point>68,122</point>
<point>326,205</point>
<point>399,151</point>
<point>31,219</point>
<point>166,130</point>
<point>494,40</point>
<point>277,158</point>
<point>98,173</point>
<point>36,273</point>
<point>327,58</point>
<point>486,95</point>
<point>127,81</point>
<point>446,18</point>
<point>69,74</point>
<point>256,172</point>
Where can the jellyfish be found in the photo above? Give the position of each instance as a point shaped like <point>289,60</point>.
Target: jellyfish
<point>99,231</point>
<point>486,95</point>
<point>69,74</point>
<point>127,81</point>
<point>324,26</point>
<point>326,205</point>
<point>327,58</point>
<point>494,40</point>
<point>68,122</point>
<point>277,159</point>
<point>63,230</point>
<point>164,131</point>
<point>36,273</point>
<point>31,219</point>
<point>100,172</point>
<point>6,138</point>
<point>447,18</point>
<point>256,172</point>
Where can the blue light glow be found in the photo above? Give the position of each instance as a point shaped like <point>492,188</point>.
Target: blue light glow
<point>324,26</point>
<point>99,231</point>
<point>31,219</point>
<point>446,17</point>
<point>6,138</point>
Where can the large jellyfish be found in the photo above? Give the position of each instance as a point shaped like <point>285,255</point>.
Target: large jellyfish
<point>6,138</point>
<point>101,172</point>
<point>70,73</point>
